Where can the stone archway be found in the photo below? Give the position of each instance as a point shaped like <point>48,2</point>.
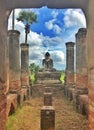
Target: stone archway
<point>85,5</point>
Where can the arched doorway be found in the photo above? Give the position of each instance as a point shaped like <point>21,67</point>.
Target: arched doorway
<point>86,5</point>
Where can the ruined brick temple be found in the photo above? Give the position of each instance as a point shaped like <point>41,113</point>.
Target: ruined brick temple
<point>11,85</point>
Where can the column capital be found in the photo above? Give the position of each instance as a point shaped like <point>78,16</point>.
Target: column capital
<point>69,44</point>
<point>81,33</point>
<point>13,32</point>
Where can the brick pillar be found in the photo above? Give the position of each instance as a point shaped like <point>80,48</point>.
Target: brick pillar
<point>70,62</point>
<point>3,65</point>
<point>81,59</point>
<point>24,64</point>
<point>14,60</point>
<point>47,118</point>
<point>81,67</point>
<point>47,99</point>
<point>90,55</point>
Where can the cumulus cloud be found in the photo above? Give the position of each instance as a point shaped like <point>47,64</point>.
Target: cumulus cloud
<point>33,37</point>
<point>58,56</point>
<point>50,25</point>
<point>74,17</point>
<point>54,13</point>
<point>58,59</point>
<point>56,29</point>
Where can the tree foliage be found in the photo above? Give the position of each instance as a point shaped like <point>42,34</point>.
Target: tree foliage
<point>34,68</point>
<point>27,18</point>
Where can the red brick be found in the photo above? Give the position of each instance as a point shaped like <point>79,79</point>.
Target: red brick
<point>15,85</point>
<point>81,81</point>
<point>25,81</point>
<point>2,111</point>
<point>47,118</point>
<point>70,78</point>
<point>47,99</point>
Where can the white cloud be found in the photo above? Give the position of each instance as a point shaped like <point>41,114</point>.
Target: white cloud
<point>58,56</point>
<point>54,13</point>
<point>58,59</point>
<point>51,26</point>
<point>74,17</point>
<point>56,29</point>
<point>33,37</point>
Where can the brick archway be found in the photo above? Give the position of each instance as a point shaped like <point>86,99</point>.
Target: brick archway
<point>88,9</point>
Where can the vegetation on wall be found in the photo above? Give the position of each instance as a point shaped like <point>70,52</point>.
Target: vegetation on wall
<point>62,77</point>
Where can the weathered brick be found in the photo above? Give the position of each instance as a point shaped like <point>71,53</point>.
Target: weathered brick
<point>70,62</point>
<point>3,103</point>
<point>47,118</point>
<point>24,64</point>
<point>47,99</point>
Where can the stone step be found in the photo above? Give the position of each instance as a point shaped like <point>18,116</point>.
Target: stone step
<point>48,81</point>
<point>39,89</point>
<point>48,75</point>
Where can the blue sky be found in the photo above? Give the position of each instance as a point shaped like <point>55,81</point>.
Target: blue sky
<point>54,28</point>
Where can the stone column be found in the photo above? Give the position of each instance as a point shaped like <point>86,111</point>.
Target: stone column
<point>90,54</point>
<point>70,62</point>
<point>24,64</point>
<point>81,67</point>
<point>81,59</point>
<point>3,64</point>
<point>14,61</point>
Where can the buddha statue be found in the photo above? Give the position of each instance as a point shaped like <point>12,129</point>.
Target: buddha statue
<point>47,63</point>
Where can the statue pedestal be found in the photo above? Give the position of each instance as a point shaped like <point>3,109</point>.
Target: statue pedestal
<point>45,80</point>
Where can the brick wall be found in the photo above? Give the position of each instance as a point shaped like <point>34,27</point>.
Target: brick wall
<point>81,81</point>
<point>81,59</point>
<point>2,111</point>
<point>91,98</point>
<point>69,78</point>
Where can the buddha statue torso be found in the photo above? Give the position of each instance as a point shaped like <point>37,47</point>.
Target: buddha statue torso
<point>47,63</point>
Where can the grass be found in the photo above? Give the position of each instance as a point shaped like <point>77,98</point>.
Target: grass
<point>25,118</point>
<point>28,116</point>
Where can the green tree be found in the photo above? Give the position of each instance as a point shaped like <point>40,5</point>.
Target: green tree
<point>27,18</point>
<point>34,69</point>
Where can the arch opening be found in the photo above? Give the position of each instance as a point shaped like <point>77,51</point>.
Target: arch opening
<point>53,27</point>
<point>51,33</point>
<point>12,109</point>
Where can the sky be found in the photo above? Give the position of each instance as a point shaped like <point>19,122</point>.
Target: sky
<point>53,29</point>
